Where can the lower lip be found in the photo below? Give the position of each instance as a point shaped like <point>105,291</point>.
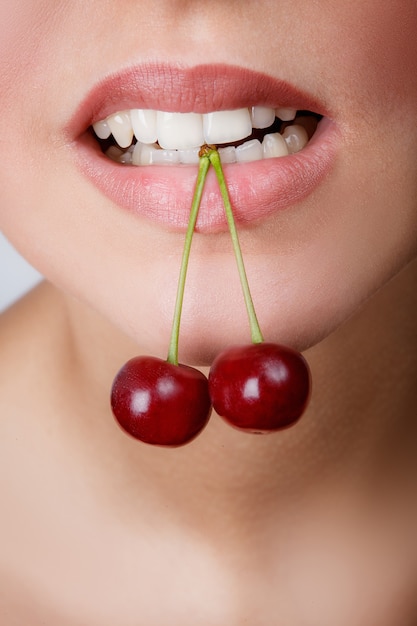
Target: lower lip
<point>258,189</point>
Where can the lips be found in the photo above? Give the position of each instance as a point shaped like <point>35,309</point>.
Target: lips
<point>163,194</point>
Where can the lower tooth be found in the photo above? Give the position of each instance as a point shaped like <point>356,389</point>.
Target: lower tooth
<point>165,157</point>
<point>295,137</point>
<point>151,154</point>
<point>142,154</point>
<point>114,153</point>
<point>228,154</point>
<point>189,157</point>
<point>126,158</point>
<point>273,146</point>
<point>249,151</point>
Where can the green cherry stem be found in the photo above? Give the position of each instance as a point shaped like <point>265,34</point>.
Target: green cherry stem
<point>198,191</point>
<point>255,330</point>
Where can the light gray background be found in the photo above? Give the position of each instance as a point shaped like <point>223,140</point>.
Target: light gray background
<point>16,275</point>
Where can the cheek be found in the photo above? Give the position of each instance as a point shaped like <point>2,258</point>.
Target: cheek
<point>378,47</point>
<point>20,34</point>
<point>25,48</point>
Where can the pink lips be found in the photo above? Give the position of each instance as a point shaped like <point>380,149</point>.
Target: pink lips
<point>163,193</point>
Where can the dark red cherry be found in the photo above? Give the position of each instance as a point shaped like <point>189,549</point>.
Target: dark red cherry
<point>160,403</point>
<point>260,387</point>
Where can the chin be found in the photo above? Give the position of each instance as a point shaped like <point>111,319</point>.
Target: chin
<point>206,333</point>
<point>300,317</point>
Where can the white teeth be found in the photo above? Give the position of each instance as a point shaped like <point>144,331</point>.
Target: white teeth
<point>274,145</point>
<point>179,130</point>
<point>295,137</point>
<point>102,129</point>
<point>126,158</point>
<point>152,154</point>
<point>190,156</point>
<point>228,154</point>
<point>144,125</point>
<point>226,126</point>
<point>171,138</point>
<point>165,157</point>
<point>121,128</point>
<point>142,153</point>
<point>262,117</point>
<point>286,115</point>
<point>249,151</point>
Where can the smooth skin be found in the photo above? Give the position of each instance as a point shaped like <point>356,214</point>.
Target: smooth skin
<point>313,527</point>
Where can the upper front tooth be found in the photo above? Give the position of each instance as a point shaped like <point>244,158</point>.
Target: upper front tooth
<point>226,126</point>
<point>262,117</point>
<point>179,130</point>
<point>144,125</point>
<point>102,129</point>
<point>121,128</point>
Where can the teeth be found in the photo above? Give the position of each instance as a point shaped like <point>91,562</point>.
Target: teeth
<point>121,128</point>
<point>262,117</point>
<point>144,125</point>
<point>249,151</point>
<point>142,153</point>
<point>226,126</point>
<point>274,145</point>
<point>189,157</point>
<point>165,157</point>
<point>152,154</point>
<point>228,154</point>
<point>179,130</point>
<point>102,129</point>
<point>295,137</point>
<point>170,138</point>
<point>286,115</point>
<point>125,157</point>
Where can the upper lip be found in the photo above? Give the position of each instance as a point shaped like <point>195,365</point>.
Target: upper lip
<point>198,89</point>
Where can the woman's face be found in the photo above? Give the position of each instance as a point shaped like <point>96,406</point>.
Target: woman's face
<point>320,230</point>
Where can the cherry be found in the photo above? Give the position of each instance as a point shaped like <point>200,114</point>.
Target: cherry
<point>160,403</point>
<point>261,387</point>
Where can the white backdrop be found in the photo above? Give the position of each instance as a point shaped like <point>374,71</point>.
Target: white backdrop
<point>16,275</point>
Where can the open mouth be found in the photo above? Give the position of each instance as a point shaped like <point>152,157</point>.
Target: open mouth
<point>160,115</point>
<point>151,137</point>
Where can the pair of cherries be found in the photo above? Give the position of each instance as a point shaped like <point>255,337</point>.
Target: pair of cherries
<point>259,388</point>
